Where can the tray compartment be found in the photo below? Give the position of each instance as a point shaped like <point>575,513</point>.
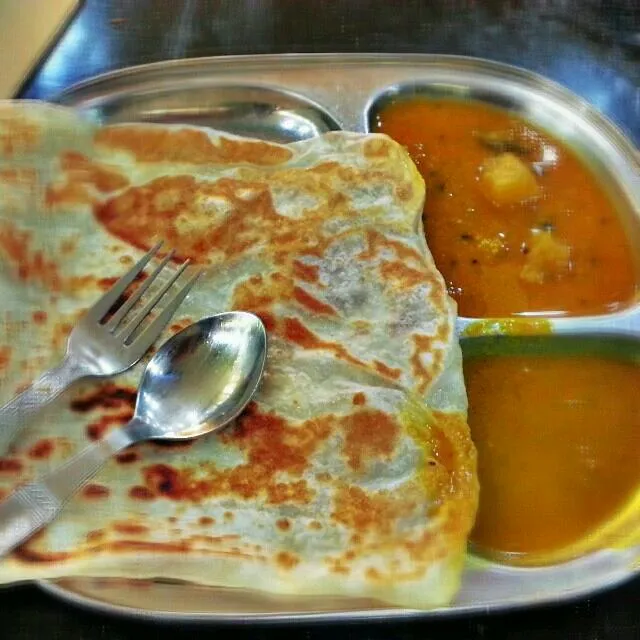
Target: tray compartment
<point>253,111</point>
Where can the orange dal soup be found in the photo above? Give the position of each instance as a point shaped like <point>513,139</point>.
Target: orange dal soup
<point>558,442</point>
<point>511,235</point>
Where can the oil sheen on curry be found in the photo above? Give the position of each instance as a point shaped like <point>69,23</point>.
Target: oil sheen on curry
<point>514,219</point>
<point>558,443</point>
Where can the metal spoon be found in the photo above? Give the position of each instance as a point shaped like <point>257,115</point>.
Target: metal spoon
<point>199,380</point>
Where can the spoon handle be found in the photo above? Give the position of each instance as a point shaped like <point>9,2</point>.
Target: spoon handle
<point>35,504</point>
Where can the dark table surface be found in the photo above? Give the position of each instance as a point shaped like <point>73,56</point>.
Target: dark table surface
<point>590,46</point>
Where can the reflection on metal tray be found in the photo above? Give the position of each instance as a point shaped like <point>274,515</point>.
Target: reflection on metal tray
<point>290,97</point>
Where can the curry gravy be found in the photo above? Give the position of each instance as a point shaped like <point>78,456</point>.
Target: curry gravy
<point>515,221</point>
<point>558,442</point>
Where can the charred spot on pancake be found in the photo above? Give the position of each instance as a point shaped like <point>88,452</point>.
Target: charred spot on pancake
<point>283,524</point>
<point>401,275</point>
<point>386,371</point>
<point>39,317</point>
<point>118,403</point>
<point>287,560</point>
<point>141,493</point>
<point>161,479</point>
<point>127,457</point>
<point>296,332</point>
<point>108,396</point>
<point>312,304</point>
<point>28,264</point>
<point>369,435</point>
<point>289,493</point>
<point>370,512</point>
<point>42,449</point>
<point>95,491</point>
<point>130,528</point>
<point>5,357</point>
<point>97,429</point>
<point>80,169</point>
<point>10,465</point>
<point>306,272</point>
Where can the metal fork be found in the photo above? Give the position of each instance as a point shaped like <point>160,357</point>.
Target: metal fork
<point>101,344</point>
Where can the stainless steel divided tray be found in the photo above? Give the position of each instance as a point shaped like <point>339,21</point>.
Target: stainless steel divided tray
<point>291,97</point>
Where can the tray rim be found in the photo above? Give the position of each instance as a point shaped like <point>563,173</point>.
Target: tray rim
<point>292,59</point>
<point>288,61</point>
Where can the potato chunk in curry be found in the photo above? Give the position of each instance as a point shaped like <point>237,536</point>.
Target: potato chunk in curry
<point>549,258</point>
<point>506,180</point>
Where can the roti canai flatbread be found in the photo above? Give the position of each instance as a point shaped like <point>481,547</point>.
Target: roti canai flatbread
<point>352,473</point>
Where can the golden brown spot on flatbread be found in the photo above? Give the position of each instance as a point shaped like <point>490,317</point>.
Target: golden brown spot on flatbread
<point>95,491</point>
<point>294,331</point>
<point>82,170</point>
<point>404,191</point>
<point>163,480</point>
<point>306,272</point>
<point>68,193</point>
<point>359,399</point>
<point>313,304</point>
<point>197,219</point>
<point>289,493</point>
<point>369,435</point>
<point>181,324</point>
<point>97,429</point>
<point>283,524</point>
<point>42,449</point>
<point>10,465</point>
<point>141,493</point>
<point>314,525</point>
<point>5,357</point>
<point>387,372</point>
<point>189,146</point>
<point>268,319</point>
<point>339,568</point>
<point>107,396</point>
<point>287,560</point>
<point>127,457</point>
<point>130,528</point>
<point>29,266</point>
<point>20,177</point>
<point>227,516</point>
<point>377,242</point>
<point>373,575</point>
<point>39,317</point>
<point>323,476</point>
<point>369,512</point>
<point>401,275</point>
<point>258,292</point>
<point>425,373</point>
<point>95,536</point>
<point>17,134</point>
<point>377,147</point>
<point>206,521</point>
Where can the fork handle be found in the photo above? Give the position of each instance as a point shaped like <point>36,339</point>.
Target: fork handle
<point>15,414</point>
<point>33,505</point>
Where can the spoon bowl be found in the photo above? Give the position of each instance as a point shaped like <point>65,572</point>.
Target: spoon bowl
<point>203,377</point>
